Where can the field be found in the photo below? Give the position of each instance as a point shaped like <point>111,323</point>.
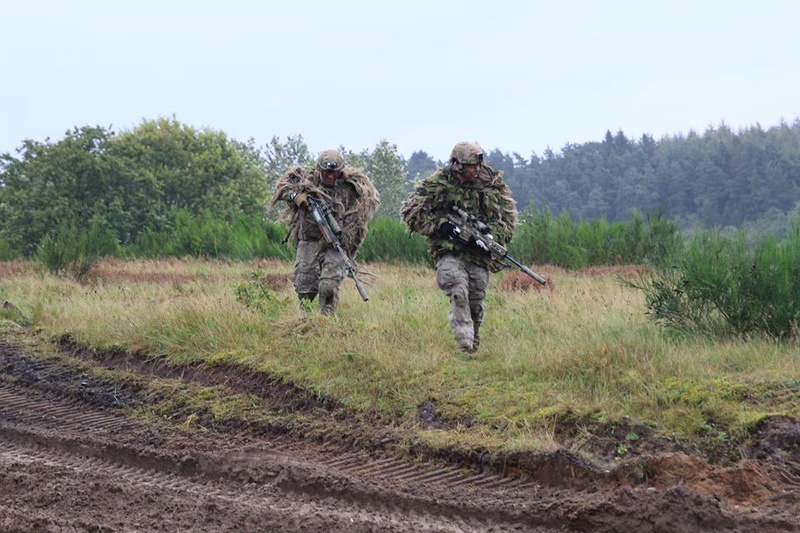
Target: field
<point>587,414</point>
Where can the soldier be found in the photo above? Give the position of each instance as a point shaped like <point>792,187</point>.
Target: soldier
<point>319,269</point>
<point>462,270</point>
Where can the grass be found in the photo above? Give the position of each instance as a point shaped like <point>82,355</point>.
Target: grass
<point>581,354</point>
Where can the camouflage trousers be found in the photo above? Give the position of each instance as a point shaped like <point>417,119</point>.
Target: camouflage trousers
<point>465,284</point>
<point>318,270</point>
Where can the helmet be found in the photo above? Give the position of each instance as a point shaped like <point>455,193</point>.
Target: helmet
<point>466,153</point>
<point>330,160</point>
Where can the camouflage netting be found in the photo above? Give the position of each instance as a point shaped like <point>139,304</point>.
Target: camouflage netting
<point>488,198</point>
<point>354,201</point>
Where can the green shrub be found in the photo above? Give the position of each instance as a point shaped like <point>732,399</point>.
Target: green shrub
<point>388,241</point>
<point>542,238</point>
<point>256,294</point>
<point>723,288</point>
<point>7,251</point>
<point>212,235</point>
<point>72,251</point>
<point>149,244</point>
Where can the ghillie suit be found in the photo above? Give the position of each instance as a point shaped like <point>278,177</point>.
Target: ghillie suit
<point>489,199</point>
<point>462,271</point>
<point>353,200</point>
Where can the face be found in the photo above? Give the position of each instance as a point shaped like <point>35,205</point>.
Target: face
<point>469,173</point>
<point>329,177</point>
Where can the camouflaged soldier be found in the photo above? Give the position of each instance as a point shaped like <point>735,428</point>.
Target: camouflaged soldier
<point>462,270</point>
<point>319,269</point>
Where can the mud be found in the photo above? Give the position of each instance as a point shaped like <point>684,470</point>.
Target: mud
<point>76,454</point>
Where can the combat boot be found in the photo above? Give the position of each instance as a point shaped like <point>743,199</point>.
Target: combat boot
<point>466,345</point>
<point>328,303</point>
<point>476,312</point>
<point>305,300</point>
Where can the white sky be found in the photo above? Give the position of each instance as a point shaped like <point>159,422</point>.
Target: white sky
<point>423,74</point>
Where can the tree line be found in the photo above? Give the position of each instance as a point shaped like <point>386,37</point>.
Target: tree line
<point>164,178</point>
<point>717,179</point>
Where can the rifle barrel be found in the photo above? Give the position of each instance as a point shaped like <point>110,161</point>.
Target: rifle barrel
<point>527,270</point>
<point>360,288</point>
<point>351,271</point>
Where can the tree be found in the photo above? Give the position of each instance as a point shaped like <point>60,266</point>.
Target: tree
<point>419,166</point>
<point>280,157</point>
<point>388,173</point>
<point>51,185</point>
<point>194,169</point>
<point>129,183</point>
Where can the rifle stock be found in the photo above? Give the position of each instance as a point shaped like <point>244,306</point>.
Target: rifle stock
<point>473,231</point>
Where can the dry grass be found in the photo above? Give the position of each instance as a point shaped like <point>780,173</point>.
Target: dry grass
<point>581,347</point>
<point>10,269</point>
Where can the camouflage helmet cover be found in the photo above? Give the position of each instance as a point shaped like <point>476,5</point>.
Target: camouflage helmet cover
<point>466,153</point>
<point>330,160</point>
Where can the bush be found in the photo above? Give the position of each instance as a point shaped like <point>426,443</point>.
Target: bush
<point>236,236</point>
<point>71,251</point>
<point>542,238</point>
<point>723,288</point>
<point>387,241</point>
<point>7,251</point>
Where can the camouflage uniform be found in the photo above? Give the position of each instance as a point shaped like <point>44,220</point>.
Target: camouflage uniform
<point>462,272</point>
<point>319,269</point>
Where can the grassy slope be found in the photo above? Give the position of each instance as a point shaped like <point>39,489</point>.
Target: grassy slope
<point>579,355</point>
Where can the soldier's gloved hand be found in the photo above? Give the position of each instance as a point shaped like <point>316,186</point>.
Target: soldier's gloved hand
<point>449,230</point>
<point>299,198</point>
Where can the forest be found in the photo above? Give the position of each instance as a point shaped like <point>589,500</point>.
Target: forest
<point>718,179</point>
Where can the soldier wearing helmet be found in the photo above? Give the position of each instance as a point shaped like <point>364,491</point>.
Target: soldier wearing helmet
<point>465,153</point>
<point>330,164</point>
<point>462,271</point>
<point>319,269</point>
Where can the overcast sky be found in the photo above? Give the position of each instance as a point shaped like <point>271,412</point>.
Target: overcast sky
<point>519,76</point>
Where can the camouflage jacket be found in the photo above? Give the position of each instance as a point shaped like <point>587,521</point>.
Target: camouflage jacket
<point>353,200</point>
<point>489,199</point>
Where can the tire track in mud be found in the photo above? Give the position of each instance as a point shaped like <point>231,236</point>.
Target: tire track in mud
<point>400,472</point>
<point>561,469</point>
<point>55,417</point>
<point>256,497</point>
<point>73,416</point>
<point>84,446</point>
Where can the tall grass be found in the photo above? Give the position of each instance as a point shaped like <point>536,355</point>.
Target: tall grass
<point>723,287</point>
<point>583,353</point>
